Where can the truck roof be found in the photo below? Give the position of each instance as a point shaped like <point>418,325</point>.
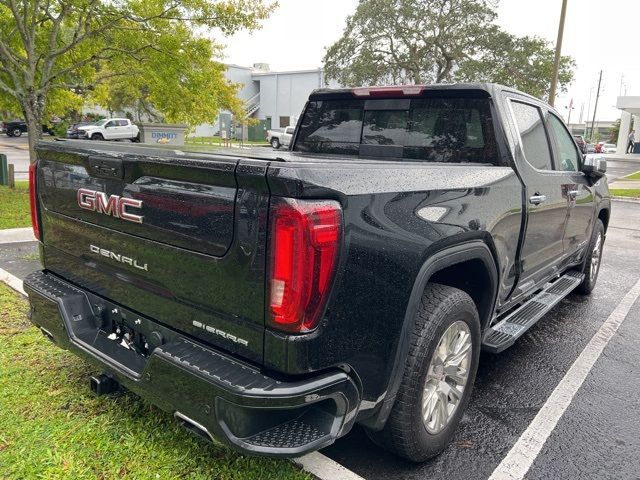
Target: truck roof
<point>398,91</point>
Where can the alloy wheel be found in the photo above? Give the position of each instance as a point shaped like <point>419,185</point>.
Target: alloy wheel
<point>447,377</point>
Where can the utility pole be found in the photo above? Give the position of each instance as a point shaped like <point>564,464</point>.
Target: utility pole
<point>556,63</point>
<point>595,109</point>
<point>586,121</point>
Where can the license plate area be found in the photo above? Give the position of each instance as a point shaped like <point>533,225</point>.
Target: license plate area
<point>119,337</point>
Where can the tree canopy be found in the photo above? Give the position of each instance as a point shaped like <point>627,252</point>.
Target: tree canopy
<point>427,41</point>
<point>143,53</point>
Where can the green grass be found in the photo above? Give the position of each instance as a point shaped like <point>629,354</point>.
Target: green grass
<point>14,206</point>
<point>633,176</point>
<point>625,192</point>
<point>52,427</point>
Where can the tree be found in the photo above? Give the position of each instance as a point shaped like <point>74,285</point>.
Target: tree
<point>52,46</point>
<point>426,41</point>
<point>407,41</point>
<point>525,63</point>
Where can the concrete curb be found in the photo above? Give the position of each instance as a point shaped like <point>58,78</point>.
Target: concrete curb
<point>17,235</point>
<point>12,281</point>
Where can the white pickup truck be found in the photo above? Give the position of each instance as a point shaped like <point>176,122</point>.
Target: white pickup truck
<point>280,136</point>
<point>110,129</point>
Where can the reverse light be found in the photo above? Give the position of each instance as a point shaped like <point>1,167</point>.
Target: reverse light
<point>33,201</point>
<point>305,239</point>
<point>390,91</point>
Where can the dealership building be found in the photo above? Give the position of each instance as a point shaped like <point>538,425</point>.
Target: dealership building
<point>275,99</point>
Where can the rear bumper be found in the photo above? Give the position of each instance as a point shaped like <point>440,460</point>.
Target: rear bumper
<point>224,398</point>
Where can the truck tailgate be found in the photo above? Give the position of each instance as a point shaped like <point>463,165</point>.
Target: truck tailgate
<point>178,238</point>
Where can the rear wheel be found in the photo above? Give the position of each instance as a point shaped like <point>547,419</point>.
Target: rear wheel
<point>16,132</point>
<point>97,136</point>
<point>593,260</point>
<point>438,378</point>
<point>275,143</point>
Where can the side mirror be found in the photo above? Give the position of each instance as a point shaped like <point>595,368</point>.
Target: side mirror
<point>594,165</point>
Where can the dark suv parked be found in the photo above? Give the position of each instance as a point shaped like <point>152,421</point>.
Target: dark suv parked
<point>16,128</point>
<point>272,299</point>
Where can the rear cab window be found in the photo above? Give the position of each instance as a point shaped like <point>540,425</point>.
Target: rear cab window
<point>450,129</point>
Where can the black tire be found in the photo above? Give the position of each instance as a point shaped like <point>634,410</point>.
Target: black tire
<point>16,132</point>
<point>275,143</point>
<point>593,260</point>
<point>405,432</point>
<point>9,134</point>
<point>97,136</point>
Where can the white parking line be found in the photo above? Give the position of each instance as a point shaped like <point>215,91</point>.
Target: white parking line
<point>522,455</point>
<point>13,281</point>
<point>315,463</point>
<point>324,468</point>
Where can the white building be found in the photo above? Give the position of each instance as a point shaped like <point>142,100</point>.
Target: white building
<point>274,98</point>
<point>630,107</point>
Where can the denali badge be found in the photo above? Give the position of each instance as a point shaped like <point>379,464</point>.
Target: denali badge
<point>220,333</point>
<point>118,258</point>
<point>113,205</point>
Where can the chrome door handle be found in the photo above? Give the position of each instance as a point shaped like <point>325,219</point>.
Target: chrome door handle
<point>573,193</point>
<point>537,199</point>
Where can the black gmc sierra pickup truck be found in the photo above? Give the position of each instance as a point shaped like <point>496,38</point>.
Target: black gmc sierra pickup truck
<point>272,299</point>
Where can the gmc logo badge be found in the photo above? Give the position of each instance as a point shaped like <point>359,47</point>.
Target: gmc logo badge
<point>113,205</point>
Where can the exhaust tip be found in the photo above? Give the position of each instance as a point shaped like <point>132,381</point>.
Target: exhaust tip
<point>103,385</point>
<point>194,427</point>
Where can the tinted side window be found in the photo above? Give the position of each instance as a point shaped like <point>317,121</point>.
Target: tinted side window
<point>532,132</point>
<point>110,124</point>
<point>568,156</point>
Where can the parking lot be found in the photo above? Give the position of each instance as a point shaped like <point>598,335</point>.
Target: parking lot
<point>595,437</point>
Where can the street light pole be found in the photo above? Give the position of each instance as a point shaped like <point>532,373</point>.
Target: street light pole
<point>556,62</point>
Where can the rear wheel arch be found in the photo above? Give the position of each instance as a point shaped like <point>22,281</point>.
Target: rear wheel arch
<point>444,267</point>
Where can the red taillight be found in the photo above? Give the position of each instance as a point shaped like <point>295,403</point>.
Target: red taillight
<point>305,238</point>
<point>32,200</point>
<point>390,91</point>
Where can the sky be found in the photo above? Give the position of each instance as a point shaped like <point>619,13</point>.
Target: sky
<point>598,35</point>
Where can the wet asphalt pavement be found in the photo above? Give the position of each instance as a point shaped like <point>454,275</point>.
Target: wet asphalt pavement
<point>598,437</point>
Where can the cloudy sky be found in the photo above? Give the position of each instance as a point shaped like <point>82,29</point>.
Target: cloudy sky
<point>598,35</point>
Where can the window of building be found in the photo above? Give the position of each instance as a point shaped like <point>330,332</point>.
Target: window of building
<point>534,138</point>
<point>285,122</point>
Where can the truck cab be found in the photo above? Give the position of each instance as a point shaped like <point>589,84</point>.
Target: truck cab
<point>280,137</point>
<point>110,129</point>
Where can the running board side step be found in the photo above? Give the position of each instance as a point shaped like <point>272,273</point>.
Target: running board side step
<point>504,333</point>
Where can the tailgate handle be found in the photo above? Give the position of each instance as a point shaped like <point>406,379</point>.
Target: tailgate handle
<point>106,167</point>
